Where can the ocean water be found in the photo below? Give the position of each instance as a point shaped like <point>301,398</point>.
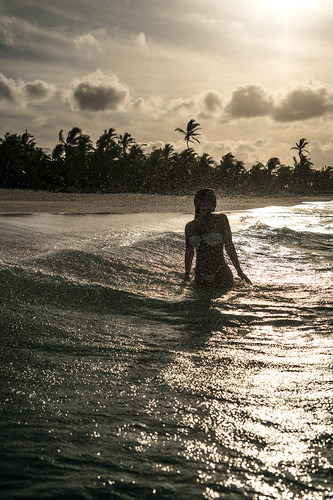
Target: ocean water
<point>118,380</point>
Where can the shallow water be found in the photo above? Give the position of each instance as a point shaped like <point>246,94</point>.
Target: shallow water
<point>120,381</point>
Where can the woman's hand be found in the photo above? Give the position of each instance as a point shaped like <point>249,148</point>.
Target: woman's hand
<point>244,277</point>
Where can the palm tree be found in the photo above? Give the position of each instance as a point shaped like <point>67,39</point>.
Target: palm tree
<point>106,156</point>
<point>190,133</point>
<point>28,139</point>
<point>302,172</point>
<point>133,170</point>
<point>84,164</point>
<point>303,175</point>
<point>206,162</point>
<point>300,147</point>
<point>64,146</point>
<point>72,158</point>
<point>272,164</point>
<point>181,171</point>
<point>257,177</point>
<point>229,173</point>
<point>125,141</point>
<point>107,140</point>
<point>323,180</point>
<point>168,151</point>
<point>22,163</point>
<point>284,178</point>
<point>202,171</point>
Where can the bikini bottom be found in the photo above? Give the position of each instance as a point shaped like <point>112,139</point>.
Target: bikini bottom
<point>209,278</point>
<point>221,277</point>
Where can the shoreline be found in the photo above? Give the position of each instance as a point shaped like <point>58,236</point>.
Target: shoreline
<point>19,201</point>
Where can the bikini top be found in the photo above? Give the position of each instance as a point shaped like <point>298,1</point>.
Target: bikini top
<point>211,239</point>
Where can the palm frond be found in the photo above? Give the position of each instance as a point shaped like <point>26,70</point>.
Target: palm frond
<point>194,139</point>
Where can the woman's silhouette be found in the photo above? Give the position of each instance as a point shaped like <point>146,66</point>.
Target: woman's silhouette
<point>208,233</point>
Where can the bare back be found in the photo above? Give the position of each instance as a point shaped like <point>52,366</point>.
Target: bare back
<point>208,235</point>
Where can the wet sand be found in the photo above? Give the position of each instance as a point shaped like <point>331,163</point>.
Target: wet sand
<point>16,201</point>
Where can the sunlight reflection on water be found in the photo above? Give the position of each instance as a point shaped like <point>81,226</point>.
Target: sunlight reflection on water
<point>299,218</point>
<point>257,406</point>
<point>121,379</point>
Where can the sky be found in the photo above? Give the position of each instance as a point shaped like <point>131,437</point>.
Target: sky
<point>256,74</point>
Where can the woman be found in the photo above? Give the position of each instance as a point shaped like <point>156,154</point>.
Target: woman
<point>208,233</point>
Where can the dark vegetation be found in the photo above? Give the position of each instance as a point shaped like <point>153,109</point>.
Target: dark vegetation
<point>116,163</point>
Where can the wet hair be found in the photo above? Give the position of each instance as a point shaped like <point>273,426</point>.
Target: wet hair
<point>203,195</point>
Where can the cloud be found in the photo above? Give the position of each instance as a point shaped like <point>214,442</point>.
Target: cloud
<point>152,106</point>
<point>183,106</point>
<point>322,153</point>
<point>248,101</point>
<point>100,92</point>
<point>141,41</point>
<point>88,43</point>
<point>244,150</point>
<point>37,91</point>
<point>298,101</point>
<point>11,31</point>
<point>23,92</point>
<point>86,40</point>
<point>7,88</point>
<point>211,104</point>
<point>205,105</point>
<point>31,40</point>
<point>19,33</point>
<point>304,101</point>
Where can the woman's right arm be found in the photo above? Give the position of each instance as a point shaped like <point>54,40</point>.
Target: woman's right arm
<point>189,253</point>
<point>231,251</point>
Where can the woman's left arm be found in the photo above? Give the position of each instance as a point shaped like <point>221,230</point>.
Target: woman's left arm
<point>189,254</point>
<point>231,251</point>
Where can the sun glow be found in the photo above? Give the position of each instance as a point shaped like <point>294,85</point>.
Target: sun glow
<point>285,8</point>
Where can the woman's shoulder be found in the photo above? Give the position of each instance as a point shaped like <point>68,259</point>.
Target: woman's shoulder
<point>220,217</point>
<point>190,225</point>
<point>221,221</point>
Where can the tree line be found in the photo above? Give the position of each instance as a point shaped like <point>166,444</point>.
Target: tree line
<point>117,163</point>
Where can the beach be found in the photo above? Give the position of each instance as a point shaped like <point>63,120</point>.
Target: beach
<point>26,201</point>
<point>121,380</point>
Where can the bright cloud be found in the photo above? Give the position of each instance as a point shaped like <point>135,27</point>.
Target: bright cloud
<point>141,41</point>
<point>247,151</point>
<point>87,43</point>
<point>208,104</point>
<point>152,107</point>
